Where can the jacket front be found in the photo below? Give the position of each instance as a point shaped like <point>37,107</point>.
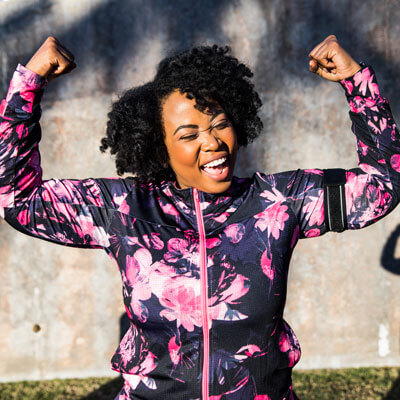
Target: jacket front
<point>204,275</point>
<point>204,283</point>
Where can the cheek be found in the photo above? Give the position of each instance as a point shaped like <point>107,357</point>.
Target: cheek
<point>182,154</point>
<point>230,139</point>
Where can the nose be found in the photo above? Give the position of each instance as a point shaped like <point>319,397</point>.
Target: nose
<point>210,140</point>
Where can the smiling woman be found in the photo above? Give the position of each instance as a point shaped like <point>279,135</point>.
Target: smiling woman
<point>203,255</point>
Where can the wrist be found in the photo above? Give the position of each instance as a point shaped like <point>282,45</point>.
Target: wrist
<point>40,70</point>
<point>353,70</point>
<point>362,85</point>
<point>31,77</point>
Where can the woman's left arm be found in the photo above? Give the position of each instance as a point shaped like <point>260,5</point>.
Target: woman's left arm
<point>373,189</point>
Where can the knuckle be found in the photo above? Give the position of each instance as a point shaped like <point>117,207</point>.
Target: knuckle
<point>335,44</point>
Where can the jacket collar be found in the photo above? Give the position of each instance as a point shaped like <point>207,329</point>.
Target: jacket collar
<point>170,188</point>
<point>216,208</point>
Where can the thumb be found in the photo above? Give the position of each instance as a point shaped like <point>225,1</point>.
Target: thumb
<point>326,75</point>
<point>313,65</point>
<point>322,71</point>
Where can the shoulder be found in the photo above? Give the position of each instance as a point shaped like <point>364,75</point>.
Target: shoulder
<point>288,183</point>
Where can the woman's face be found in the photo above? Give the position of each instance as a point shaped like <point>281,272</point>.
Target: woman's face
<point>202,146</point>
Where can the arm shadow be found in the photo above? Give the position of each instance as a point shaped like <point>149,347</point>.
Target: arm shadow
<point>394,392</point>
<point>388,260</point>
<point>110,389</point>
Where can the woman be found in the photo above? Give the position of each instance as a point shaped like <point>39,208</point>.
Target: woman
<point>203,255</point>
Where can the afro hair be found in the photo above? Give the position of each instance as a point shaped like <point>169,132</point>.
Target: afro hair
<point>209,74</point>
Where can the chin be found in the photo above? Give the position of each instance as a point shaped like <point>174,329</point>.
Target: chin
<point>216,187</point>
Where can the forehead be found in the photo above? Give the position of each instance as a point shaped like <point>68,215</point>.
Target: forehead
<point>177,110</point>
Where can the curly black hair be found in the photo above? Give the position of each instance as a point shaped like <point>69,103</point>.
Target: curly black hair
<point>210,75</point>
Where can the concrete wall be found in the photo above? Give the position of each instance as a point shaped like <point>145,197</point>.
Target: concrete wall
<point>343,301</point>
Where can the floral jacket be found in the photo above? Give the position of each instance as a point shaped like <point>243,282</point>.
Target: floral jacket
<point>204,275</point>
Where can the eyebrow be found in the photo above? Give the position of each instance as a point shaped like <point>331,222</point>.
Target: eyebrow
<point>196,126</point>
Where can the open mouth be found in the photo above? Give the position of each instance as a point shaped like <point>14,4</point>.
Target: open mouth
<point>217,169</point>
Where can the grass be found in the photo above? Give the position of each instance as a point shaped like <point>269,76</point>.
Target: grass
<point>62,389</point>
<point>351,383</point>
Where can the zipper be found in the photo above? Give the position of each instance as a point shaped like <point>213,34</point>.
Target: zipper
<point>204,294</point>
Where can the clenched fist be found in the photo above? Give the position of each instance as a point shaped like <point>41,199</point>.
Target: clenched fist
<point>331,61</point>
<point>51,59</point>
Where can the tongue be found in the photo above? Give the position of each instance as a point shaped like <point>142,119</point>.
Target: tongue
<point>215,170</point>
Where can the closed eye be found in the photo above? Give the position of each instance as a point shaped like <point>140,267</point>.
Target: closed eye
<point>224,124</point>
<point>221,125</point>
<point>189,137</point>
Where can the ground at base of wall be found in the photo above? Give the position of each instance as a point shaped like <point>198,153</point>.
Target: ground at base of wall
<point>350,383</point>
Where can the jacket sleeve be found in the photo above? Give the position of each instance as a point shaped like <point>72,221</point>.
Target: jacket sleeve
<point>372,189</point>
<point>66,211</point>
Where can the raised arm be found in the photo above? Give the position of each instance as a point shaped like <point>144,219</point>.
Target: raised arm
<point>70,212</point>
<point>371,190</point>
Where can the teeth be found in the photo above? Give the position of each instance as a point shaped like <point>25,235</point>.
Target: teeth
<point>215,162</point>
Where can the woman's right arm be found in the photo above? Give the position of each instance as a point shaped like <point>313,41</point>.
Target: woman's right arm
<point>66,211</point>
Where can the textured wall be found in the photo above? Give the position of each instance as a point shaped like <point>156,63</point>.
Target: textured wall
<point>343,301</point>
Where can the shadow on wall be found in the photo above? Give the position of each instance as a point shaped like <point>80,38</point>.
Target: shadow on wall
<point>388,260</point>
<point>298,26</point>
<point>113,32</point>
<point>111,389</point>
<point>295,27</point>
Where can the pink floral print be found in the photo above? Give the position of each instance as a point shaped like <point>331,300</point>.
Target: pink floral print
<point>272,219</point>
<point>181,304</point>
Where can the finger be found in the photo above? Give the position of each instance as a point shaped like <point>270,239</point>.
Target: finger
<point>60,48</point>
<point>66,53</point>
<point>325,58</point>
<point>62,65</point>
<point>324,73</point>
<point>326,62</point>
<point>53,38</point>
<point>324,46</point>
<point>64,69</point>
<point>316,67</point>
<point>318,47</point>
<point>321,53</point>
<point>314,51</point>
<point>69,68</point>
<point>313,65</point>
<point>328,40</point>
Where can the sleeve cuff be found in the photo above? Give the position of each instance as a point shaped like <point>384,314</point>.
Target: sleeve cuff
<point>363,83</point>
<point>31,78</point>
